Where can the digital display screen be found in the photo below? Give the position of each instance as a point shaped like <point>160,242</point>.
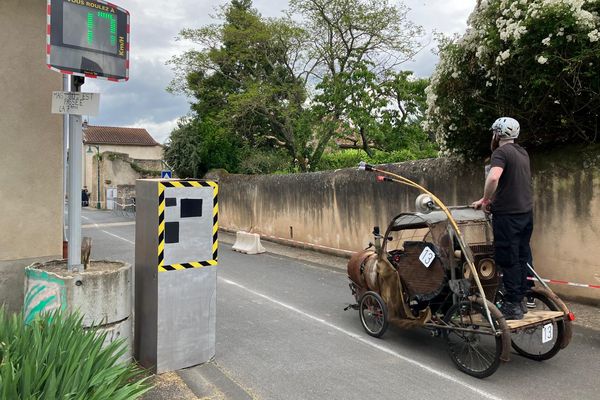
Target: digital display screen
<point>88,38</point>
<point>90,28</point>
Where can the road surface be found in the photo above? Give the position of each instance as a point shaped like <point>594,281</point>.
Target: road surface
<point>282,334</point>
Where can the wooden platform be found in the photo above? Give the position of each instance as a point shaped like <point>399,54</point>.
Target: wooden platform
<point>534,317</point>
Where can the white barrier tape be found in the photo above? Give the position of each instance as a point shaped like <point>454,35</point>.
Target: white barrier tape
<point>566,283</point>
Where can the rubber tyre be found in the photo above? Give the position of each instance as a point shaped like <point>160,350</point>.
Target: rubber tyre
<point>521,340</point>
<point>373,314</point>
<point>484,348</point>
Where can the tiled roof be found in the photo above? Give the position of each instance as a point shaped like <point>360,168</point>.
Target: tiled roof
<point>115,135</point>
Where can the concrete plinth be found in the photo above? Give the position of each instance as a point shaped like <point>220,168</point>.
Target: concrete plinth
<point>102,294</point>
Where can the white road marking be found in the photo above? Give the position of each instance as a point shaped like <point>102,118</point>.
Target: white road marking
<point>109,233</point>
<point>108,224</point>
<point>117,236</point>
<point>366,341</point>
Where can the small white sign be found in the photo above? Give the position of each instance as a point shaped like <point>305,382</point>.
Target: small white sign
<point>427,256</point>
<point>547,333</point>
<point>75,103</point>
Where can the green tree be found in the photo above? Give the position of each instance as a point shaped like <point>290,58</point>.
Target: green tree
<point>534,60</point>
<point>277,84</point>
<point>358,45</point>
<point>247,77</point>
<point>382,114</point>
<point>195,147</point>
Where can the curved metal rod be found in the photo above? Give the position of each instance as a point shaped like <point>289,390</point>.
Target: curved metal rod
<point>400,179</point>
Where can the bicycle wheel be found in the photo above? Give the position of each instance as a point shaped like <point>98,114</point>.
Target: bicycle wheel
<point>475,352</point>
<point>373,314</point>
<point>540,342</point>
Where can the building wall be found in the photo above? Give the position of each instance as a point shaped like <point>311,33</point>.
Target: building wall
<point>115,171</point>
<point>136,152</point>
<point>31,151</point>
<point>339,209</point>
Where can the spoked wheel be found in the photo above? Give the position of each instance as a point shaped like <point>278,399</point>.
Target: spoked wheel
<point>540,342</point>
<point>373,314</point>
<point>475,351</point>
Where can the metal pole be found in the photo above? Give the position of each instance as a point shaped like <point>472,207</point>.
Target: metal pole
<point>65,88</point>
<point>75,167</point>
<point>98,164</point>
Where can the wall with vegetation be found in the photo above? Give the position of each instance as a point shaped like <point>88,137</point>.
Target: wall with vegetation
<point>339,208</point>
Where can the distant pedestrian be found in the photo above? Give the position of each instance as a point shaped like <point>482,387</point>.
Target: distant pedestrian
<point>85,197</point>
<point>508,195</point>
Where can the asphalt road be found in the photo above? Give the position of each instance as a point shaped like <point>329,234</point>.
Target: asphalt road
<point>282,334</point>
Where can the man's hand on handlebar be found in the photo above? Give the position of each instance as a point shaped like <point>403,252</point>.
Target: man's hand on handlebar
<point>482,204</point>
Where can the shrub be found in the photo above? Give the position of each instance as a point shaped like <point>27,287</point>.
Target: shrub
<point>350,158</point>
<point>53,357</point>
<point>197,146</point>
<point>535,60</point>
<point>265,161</point>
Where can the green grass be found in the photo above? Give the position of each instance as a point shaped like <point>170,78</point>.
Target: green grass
<point>53,357</point>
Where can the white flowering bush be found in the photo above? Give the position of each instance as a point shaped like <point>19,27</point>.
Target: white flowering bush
<point>535,60</point>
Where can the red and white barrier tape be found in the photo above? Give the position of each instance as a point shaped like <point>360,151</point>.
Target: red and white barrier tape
<point>566,283</point>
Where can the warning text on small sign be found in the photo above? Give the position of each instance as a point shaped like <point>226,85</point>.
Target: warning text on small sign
<point>75,103</point>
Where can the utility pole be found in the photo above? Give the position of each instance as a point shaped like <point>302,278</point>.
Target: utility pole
<point>75,176</point>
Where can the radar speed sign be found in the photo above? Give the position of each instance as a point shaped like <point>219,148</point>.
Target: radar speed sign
<point>88,38</point>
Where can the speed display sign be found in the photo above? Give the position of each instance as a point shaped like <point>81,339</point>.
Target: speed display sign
<point>88,38</point>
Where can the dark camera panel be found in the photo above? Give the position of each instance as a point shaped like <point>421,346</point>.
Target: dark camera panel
<point>191,208</point>
<point>171,202</point>
<point>171,232</point>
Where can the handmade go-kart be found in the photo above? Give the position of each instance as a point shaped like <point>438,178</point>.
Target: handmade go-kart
<point>435,269</point>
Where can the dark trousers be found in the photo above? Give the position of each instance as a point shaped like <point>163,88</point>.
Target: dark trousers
<point>512,252</point>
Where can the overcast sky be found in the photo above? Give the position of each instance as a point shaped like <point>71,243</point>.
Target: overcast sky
<point>143,101</point>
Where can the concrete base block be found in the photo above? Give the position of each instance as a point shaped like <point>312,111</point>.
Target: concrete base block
<point>248,243</point>
<point>102,294</point>
<point>120,330</point>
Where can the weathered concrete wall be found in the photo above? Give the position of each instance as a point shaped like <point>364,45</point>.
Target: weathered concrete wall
<point>31,152</point>
<point>116,168</point>
<point>152,154</point>
<point>339,209</point>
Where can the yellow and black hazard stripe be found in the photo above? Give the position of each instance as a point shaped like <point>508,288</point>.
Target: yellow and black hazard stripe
<point>162,185</point>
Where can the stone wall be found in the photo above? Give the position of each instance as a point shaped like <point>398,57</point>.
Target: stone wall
<point>339,209</point>
<point>117,170</point>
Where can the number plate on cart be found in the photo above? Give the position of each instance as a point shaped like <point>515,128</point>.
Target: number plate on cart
<point>547,333</point>
<point>427,256</point>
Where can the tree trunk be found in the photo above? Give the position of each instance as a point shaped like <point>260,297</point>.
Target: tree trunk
<point>365,144</point>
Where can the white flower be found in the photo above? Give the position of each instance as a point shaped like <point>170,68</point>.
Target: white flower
<point>546,42</point>
<point>455,75</point>
<point>594,35</point>
<point>489,84</point>
<point>542,60</point>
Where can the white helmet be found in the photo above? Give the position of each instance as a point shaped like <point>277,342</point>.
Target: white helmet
<point>506,128</point>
